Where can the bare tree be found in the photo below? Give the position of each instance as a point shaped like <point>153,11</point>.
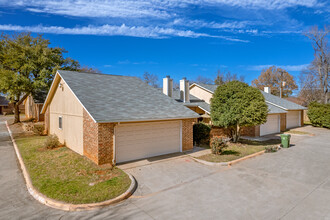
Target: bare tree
<point>151,79</point>
<point>309,87</point>
<point>320,66</point>
<point>204,80</point>
<point>225,77</point>
<point>280,82</point>
<point>88,69</point>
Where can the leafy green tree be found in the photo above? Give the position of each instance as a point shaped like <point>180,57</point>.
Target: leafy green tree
<point>319,114</point>
<point>235,105</point>
<point>28,65</point>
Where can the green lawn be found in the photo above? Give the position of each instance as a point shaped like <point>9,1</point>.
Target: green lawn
<point>297,132</point>
<point>238,150</point>
<point>64,175</point>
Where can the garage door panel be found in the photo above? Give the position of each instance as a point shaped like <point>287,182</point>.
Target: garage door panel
<point>133,133</point>
<point>271,126</point>
<point>293,119</point>
<point>128,137</point>
<point>167,140</point>
<point>142,140</point>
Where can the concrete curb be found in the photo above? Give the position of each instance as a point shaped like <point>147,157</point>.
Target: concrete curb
<point>62,205</point>
<point>229,163</point>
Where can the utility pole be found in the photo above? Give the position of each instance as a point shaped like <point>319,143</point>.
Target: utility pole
<point>282,84</point>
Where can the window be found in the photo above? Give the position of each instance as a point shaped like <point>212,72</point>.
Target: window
<point>60,122</point>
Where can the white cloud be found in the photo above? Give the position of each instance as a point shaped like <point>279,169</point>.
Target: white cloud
<point>143,8</point>
<point>114,30</point>
<point>212,24</point>
<point>265,4</point>
<point>286,67</point>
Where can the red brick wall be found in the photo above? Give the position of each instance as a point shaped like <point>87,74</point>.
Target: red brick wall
<point>90,138</point>
<point>105,142</point>
<point>187,134</point>
<point>253,131</point>
<point>97,140</point>
<point>218,132</point>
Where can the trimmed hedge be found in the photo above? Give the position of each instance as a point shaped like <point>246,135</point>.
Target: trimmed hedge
<point>319,114</point>
<point>201,132</point>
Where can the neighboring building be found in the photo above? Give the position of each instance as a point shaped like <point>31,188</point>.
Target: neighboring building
<point>33,106</point>
<point>114,119</point>
<point>8,108</point>
<point>4,106</point>
<point>183,96</point>
<point>282,114</point>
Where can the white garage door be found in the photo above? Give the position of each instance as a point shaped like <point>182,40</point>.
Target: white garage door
<point>142,140</point>
<point>293,119</point>
<point>272,125</point>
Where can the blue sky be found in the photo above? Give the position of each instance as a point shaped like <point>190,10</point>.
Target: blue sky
<point>183,38</point>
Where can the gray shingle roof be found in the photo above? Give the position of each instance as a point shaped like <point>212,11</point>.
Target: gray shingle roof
<point>287,105</point>
<point>112,98</point>
<point>3,101</point>
<point>193,101</point>
<point>273,109</point>
<point>210,87</point>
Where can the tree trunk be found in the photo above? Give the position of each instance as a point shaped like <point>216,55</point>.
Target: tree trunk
<point>16,108</point>
<point>236,135</point>
<point>16,113</point>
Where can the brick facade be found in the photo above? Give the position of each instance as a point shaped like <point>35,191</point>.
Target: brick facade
<point>105,138</point>
<point>98,140</point>
<point>253,131</point>
<point>302,117</point>
<point>218,132</point>
<point>187,134</point>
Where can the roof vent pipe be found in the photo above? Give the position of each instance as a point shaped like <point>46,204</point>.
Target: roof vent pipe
<point>168,86</point>
<point>184,90</point>
<point>267,89</point>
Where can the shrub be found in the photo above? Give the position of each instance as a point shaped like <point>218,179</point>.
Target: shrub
<point>201,133</point>
<point>51,142</point>
<point>38,129</point>
<point>217,145</point>
<point>319,114</point>
<point>271,149</point>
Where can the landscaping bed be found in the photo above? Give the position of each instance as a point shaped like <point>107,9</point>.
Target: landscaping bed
<point>238,150</point>
<point>64,175</point>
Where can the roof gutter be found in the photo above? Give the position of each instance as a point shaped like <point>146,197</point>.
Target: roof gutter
<point>147,120</point>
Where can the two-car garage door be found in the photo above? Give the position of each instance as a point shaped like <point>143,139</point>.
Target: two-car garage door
<point>272,125</point>
<point>142,140</point>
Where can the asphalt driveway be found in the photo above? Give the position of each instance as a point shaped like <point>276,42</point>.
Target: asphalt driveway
<point>293,183</point>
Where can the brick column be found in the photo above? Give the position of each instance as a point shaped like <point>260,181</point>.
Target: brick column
<point>97,140</point>
<point>187,134</point>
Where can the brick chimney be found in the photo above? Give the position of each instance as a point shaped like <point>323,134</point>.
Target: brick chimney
<point>184,90</point>
<point>168,86</point>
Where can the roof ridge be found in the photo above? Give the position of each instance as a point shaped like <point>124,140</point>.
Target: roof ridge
<point>102,74</point>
